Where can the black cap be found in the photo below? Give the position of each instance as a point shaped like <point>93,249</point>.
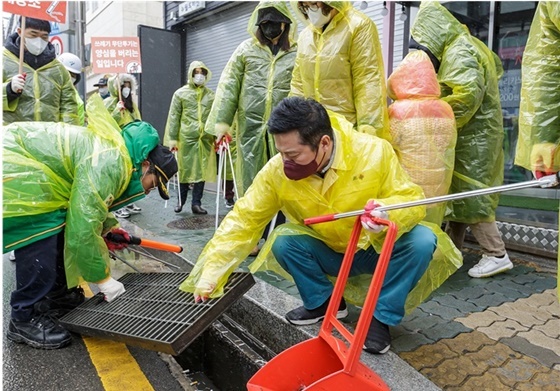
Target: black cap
<point>271,14</point>
<point>101,82</point>
<point>165,165</point>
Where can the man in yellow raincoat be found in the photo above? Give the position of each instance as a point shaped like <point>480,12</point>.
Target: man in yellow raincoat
<point>44,91</point>
<point>468,73</point>
<point>184,132</point>
<point>339,64</point>
<point>538,147</point>
<point>323,167</point>
<point>60,182</point>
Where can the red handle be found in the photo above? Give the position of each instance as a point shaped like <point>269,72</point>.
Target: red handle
<point>319,219</point>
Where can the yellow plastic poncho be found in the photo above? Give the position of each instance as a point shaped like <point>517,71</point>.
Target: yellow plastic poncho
<point>52,96</point>
<point>58,176</point>
<point>342,68</point>
<point>364,167</point>
<point>187,116</point>
<point>251,85</point>
<point>539,111</point>
<point>123,117</point>
<point>468,76</point>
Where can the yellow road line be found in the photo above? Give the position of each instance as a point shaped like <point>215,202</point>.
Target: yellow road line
<point>116,367</point>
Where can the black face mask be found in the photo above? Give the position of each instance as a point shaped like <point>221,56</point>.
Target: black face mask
<point>271,30</point>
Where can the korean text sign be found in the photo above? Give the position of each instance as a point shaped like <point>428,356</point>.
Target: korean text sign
<point>116,55</point>
<point>54,11</point>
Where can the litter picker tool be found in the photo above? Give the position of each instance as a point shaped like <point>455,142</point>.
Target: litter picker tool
<point>178,182</point>
<point>224,156</point>
<point>545,182</point>
<point>118,238</point>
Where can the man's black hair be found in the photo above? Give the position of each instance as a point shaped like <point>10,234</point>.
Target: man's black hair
<point>36,24</point>
<point>307,116</point>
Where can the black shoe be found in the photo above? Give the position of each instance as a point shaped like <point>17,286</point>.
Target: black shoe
<point>302,316</point>
<point>378,340</point>
<point>230,203</point>
<point>199,210</point>
<point>60,303</point>
<point>41,332</point>
<point>178,208</point>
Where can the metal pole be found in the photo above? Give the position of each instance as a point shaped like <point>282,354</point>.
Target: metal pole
<point>80,38</point>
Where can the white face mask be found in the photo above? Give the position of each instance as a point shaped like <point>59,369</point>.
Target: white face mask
<point>199,79</point>
<point>125,92</point>
<point>35,46</point>
<point>317,18</point>
<point>103,90</point>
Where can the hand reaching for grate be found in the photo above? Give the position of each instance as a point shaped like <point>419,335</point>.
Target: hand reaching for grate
<point>203,290</point>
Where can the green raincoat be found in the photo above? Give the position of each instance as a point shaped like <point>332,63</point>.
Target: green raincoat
<point>252,83</point>
<point>187,116</point>
<point>123,117</point>
<point>539,111</point>
<point>63,177</point>
<point>468,76</point>
<point>364,167</point>
<point>342,68</point>
<point>51,99</point>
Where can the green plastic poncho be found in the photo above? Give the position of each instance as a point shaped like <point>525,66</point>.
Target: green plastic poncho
<point>468,76</point>
<point>539,111</point>
<point>342,68</point>
<point>63,177</point>
<point>251,85</point>
<point>123,117</point>
<point>187,116</point>
<point>364,167</point>
<point>53,96</point>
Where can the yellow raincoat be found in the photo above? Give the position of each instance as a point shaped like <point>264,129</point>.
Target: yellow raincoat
<point>252,83</point>
<point>342,68</point>
<point>365,167</point>
<point>188,112</point>
<point>468,76</point>
<point>539,111</point>
<point>123,117</point>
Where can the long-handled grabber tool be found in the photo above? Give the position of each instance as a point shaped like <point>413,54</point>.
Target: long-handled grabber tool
<point>221,171</point>
<point>118,238</point>
<point>178,183</point>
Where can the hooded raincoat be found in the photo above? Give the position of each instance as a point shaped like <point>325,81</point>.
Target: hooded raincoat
<point>342,68</point>
<point>48,94</point>
<point>539,111</point>
<point>364,167</point>
<point>187,116</point>
<point>123,117</point>
<point>468,76</point>
<point>252,83</point>
<point>62,177</point>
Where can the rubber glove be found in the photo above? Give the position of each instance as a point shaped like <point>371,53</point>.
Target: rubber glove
<point>172,144</point>
<point>18,82</point>
<point>367,221</point>
<point>112,246</point>
<point>120,105</point>
<point>222,130</point>
<point>203,289</point>
<point>111,289</point>
<point>543,156</point>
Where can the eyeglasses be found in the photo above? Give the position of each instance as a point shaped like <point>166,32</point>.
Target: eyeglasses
<point>303,7</point>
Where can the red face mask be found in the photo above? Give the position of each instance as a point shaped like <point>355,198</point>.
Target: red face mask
<point>296,171</point>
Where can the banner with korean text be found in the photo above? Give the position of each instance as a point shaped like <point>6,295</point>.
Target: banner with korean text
<point>116,55</point>
<point>54,11</point>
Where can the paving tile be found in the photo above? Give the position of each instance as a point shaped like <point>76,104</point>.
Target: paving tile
<point>510,311</point>
<point>490,300</point>
<point>477,383</point>
<point>454,371</point>
<point>518,370</point>
<point>553,309</point>
<point>543,284</point>
<point>537,312</point>
<point>502,329</point>
<point>540,339</point>
<point>526,278</point>
<point>551,328</point>
<point>524,290</point>
<point>543,299</point>
<point>446,330</point>
<point>549,381</point>
<point>545,356</point>
<point>470,292</point>
<point>468,342</point>
<point>480,319</point>
<point>492,355</point>
<point>434,308</point>
<point>423,322</point>
<point>428,356</point>
<point>409,342</point>
<point>460,305</point>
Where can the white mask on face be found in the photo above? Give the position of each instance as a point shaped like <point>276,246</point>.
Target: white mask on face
<point>317,18</point>
<point>199,79</point>
<point>125,92</point>
<point>35,46</point>
<point>103,90</point>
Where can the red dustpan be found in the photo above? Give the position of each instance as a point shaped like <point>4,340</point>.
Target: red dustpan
<point>328,362</point>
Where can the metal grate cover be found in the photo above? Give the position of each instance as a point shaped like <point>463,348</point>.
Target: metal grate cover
<point>196,222</point>
<point>153,313</point>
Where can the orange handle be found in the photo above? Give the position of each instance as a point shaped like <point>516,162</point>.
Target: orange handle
<point>319,219</point>
<point>160,246</point>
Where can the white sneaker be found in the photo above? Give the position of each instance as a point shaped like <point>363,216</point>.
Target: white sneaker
<point>489,266</point>
<point>12,256</point>
<point>122,213</point>
<point>132,208</point>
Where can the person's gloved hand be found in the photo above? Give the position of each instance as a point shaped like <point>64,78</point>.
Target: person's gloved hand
<point>18,82</point>
<point>112,246</point>
<point>120,105</point>
<point>111,288</point>
<point>203,289</point>
<point>172,144</point>
<point>222,130</point>
<point>543,156</point>
<point>371,211</point>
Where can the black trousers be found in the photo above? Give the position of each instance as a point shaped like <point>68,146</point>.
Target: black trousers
<point>280,219</point>
<point>198,190</point>
<point>39,271</point>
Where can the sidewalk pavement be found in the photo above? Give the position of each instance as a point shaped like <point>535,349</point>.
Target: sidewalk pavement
<point>498,333</point>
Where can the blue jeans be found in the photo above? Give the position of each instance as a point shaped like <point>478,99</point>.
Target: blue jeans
<point>309,261</point>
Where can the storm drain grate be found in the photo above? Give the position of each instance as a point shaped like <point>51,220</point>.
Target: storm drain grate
<point>153,313</point>
<point>196,222</point>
